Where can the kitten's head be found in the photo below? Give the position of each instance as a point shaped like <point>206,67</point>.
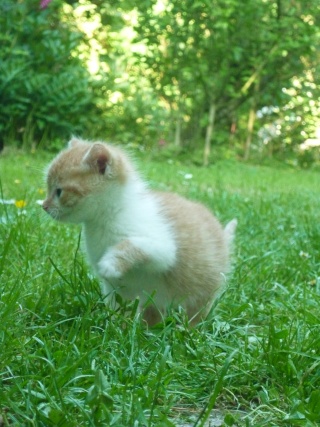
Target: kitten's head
<point>78,176</point>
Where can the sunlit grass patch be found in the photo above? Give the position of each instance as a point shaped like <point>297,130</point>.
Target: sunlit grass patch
<point>66,359</point>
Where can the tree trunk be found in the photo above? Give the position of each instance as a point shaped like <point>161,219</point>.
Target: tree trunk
<point>232,134</point>
<point>177,134</point>
<point>210,129</point>
<point>250,127</point>
<point>251,121</point>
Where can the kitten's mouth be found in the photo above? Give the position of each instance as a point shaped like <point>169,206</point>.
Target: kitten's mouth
<point>55,214</point>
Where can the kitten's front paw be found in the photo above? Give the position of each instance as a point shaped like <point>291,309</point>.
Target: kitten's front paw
<point>107,268</point>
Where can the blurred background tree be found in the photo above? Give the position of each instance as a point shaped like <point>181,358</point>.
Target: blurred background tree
<point>44,87</point>
<point>207,78</point>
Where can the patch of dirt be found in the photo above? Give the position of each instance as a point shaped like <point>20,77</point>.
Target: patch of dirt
<point>216,418</point>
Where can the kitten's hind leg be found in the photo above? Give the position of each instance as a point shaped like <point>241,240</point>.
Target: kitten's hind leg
<point>152,315</point>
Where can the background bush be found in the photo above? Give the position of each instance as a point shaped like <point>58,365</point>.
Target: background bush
<point>45,89</point>
<point>192,75</point>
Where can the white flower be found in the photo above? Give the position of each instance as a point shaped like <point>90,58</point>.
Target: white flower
<point>188,176</point>
<point>304,254</point>
<point>7,202</point>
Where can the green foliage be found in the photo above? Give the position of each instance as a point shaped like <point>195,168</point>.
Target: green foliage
<point>202,53</point>
<point>182,73</point>
<point>66,359</point>
<point>45,89</point>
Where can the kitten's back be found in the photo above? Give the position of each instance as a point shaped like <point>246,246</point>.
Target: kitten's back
<point>203,248</point>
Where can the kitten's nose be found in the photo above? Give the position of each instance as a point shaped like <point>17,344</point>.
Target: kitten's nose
<point>45,206</point>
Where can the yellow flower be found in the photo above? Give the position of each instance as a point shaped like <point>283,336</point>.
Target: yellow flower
<point>41,191</point>
<point>17,181</point>
<point>20,204</point>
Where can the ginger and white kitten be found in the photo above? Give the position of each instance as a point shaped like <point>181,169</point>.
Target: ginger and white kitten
<point>155,246</point>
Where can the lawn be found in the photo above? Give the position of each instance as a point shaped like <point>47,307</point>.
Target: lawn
<point>67,360</point>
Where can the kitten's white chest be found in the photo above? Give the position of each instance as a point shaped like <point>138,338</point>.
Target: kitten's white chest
<point>134,221</point>
<point>97,240</point>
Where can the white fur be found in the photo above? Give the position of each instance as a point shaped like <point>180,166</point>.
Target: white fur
<point>230,231</point>
<point>107,266</point>
<point>130,212</point>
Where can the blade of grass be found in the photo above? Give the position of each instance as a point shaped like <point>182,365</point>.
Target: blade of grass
<point>205,413</point>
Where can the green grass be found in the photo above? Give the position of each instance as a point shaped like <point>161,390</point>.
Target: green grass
<point>67,360</point>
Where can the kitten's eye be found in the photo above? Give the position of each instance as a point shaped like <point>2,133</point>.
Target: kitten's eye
<point>58,192</point>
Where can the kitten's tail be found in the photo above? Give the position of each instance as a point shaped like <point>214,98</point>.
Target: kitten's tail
<point>230,230</point>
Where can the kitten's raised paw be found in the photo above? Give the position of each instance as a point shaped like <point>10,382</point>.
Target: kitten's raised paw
<point>107,267</point>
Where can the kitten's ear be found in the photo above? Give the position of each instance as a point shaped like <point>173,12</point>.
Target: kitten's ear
<point>98,158</point>
<point>74,142</point>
